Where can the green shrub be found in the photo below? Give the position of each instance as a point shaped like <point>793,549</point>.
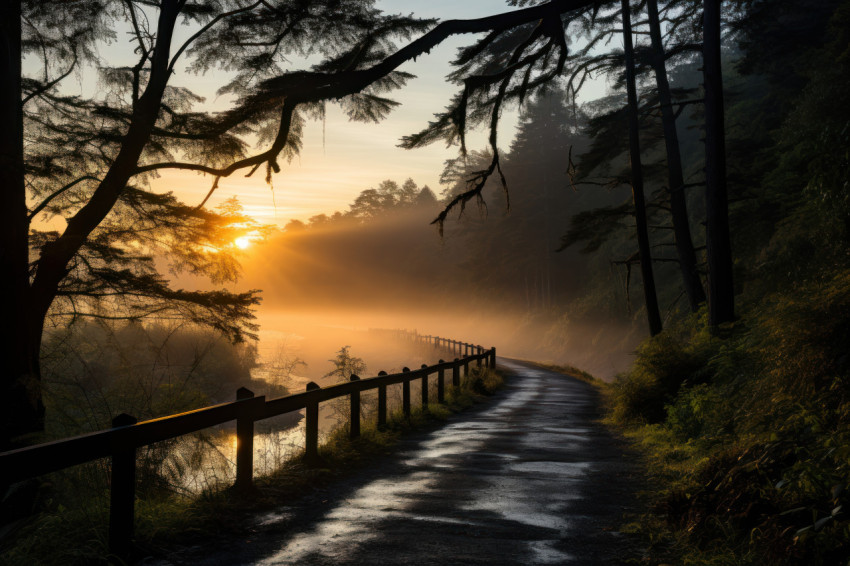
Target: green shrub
<point>663,364</point>
<point>753,465</point>
<point>698,412</point>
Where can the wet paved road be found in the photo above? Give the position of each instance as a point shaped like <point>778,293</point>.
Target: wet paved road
<point>530,478</point>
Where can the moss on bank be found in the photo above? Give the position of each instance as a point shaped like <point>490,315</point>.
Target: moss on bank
<point>746,433</point>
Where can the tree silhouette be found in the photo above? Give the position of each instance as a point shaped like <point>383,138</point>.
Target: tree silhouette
<point>88,158</point>
<point>675,177</point>
<point>636,173</point>
<point>718,242</point>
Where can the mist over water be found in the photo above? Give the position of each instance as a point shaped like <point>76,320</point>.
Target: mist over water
<point>326,284</point>
<point>494,276</point>
<point>314,336</point>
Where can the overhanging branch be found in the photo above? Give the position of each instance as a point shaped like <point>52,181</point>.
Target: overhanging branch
<point>312,86</point>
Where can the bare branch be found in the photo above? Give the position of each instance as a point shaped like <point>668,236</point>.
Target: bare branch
<point>268,156</point>
<point>305,86</point>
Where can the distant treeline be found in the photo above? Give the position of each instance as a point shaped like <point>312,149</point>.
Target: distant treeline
<point>384,252</point>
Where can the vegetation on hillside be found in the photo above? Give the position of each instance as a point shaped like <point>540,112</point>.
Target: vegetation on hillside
<point>745,425</point>
<point>746,428</point>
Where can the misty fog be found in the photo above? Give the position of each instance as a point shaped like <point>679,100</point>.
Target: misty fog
<point>497,275</point>
<point>492,279</point>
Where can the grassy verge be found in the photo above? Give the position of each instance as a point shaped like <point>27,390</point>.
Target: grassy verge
<point>73,528</point>
<point>746,434</point>
<point>575,372</point>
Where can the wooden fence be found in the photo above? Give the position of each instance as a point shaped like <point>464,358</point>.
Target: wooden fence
<point>127,435</point>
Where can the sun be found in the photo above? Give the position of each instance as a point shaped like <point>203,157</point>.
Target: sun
<point>246,238</point>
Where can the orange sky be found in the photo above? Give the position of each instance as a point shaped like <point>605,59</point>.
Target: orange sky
<point>341,158</point>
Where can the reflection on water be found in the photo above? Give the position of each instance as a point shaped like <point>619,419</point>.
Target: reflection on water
<point>206,461</point>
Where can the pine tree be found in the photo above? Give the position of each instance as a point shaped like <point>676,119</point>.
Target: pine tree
<point>636,174</point>
<point>89,158</point>
<point>83,162</point>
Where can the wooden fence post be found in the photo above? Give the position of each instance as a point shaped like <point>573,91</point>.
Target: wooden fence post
<point>354,427</point>
<point>478,361</point>
<point>382,403</point>
<point>456,374</point>
<point>424,386</point>
<point>405,395</point>
<point>244,445</point>
<point>311,429</point>
<point>441,385</point>
<point>493,357</point>
<point>122,494</point>
<point>465,367</point>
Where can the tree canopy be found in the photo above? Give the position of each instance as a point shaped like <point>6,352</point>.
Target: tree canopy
<point>81,227</point>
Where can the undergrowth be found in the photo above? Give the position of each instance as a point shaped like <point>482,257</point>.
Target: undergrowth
<point>73,528</point>
<point>746,433</point>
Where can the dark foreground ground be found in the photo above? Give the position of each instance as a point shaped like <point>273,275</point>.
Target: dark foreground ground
<point>528,478</point>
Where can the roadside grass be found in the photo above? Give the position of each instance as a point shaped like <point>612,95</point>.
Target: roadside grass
<point>73,531</point>
<point>745,434</point>
<point>572,371</point>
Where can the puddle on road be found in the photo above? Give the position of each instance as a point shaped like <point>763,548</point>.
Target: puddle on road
<point>545,554</point>
<point>507,490</point>
<point>277,516</point>
<point>564,443</point>
<point>563,469</point>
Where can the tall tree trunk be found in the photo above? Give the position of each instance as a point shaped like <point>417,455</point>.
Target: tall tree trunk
<point>28,303</point>
<point>721,296</point>
<point>21,409</point>
<point>650,297</point>
<point>675,178</point>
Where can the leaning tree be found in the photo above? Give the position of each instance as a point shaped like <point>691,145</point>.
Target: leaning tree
<point>81,225</point>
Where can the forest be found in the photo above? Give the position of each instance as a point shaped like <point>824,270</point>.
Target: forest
<point>682,239</point>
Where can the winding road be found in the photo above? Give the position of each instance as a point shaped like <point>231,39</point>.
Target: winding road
<point>527,478</point>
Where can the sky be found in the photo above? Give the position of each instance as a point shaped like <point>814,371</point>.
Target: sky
<point>339,158</point>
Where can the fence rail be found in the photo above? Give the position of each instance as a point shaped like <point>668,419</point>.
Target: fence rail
<point>127,435</point>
